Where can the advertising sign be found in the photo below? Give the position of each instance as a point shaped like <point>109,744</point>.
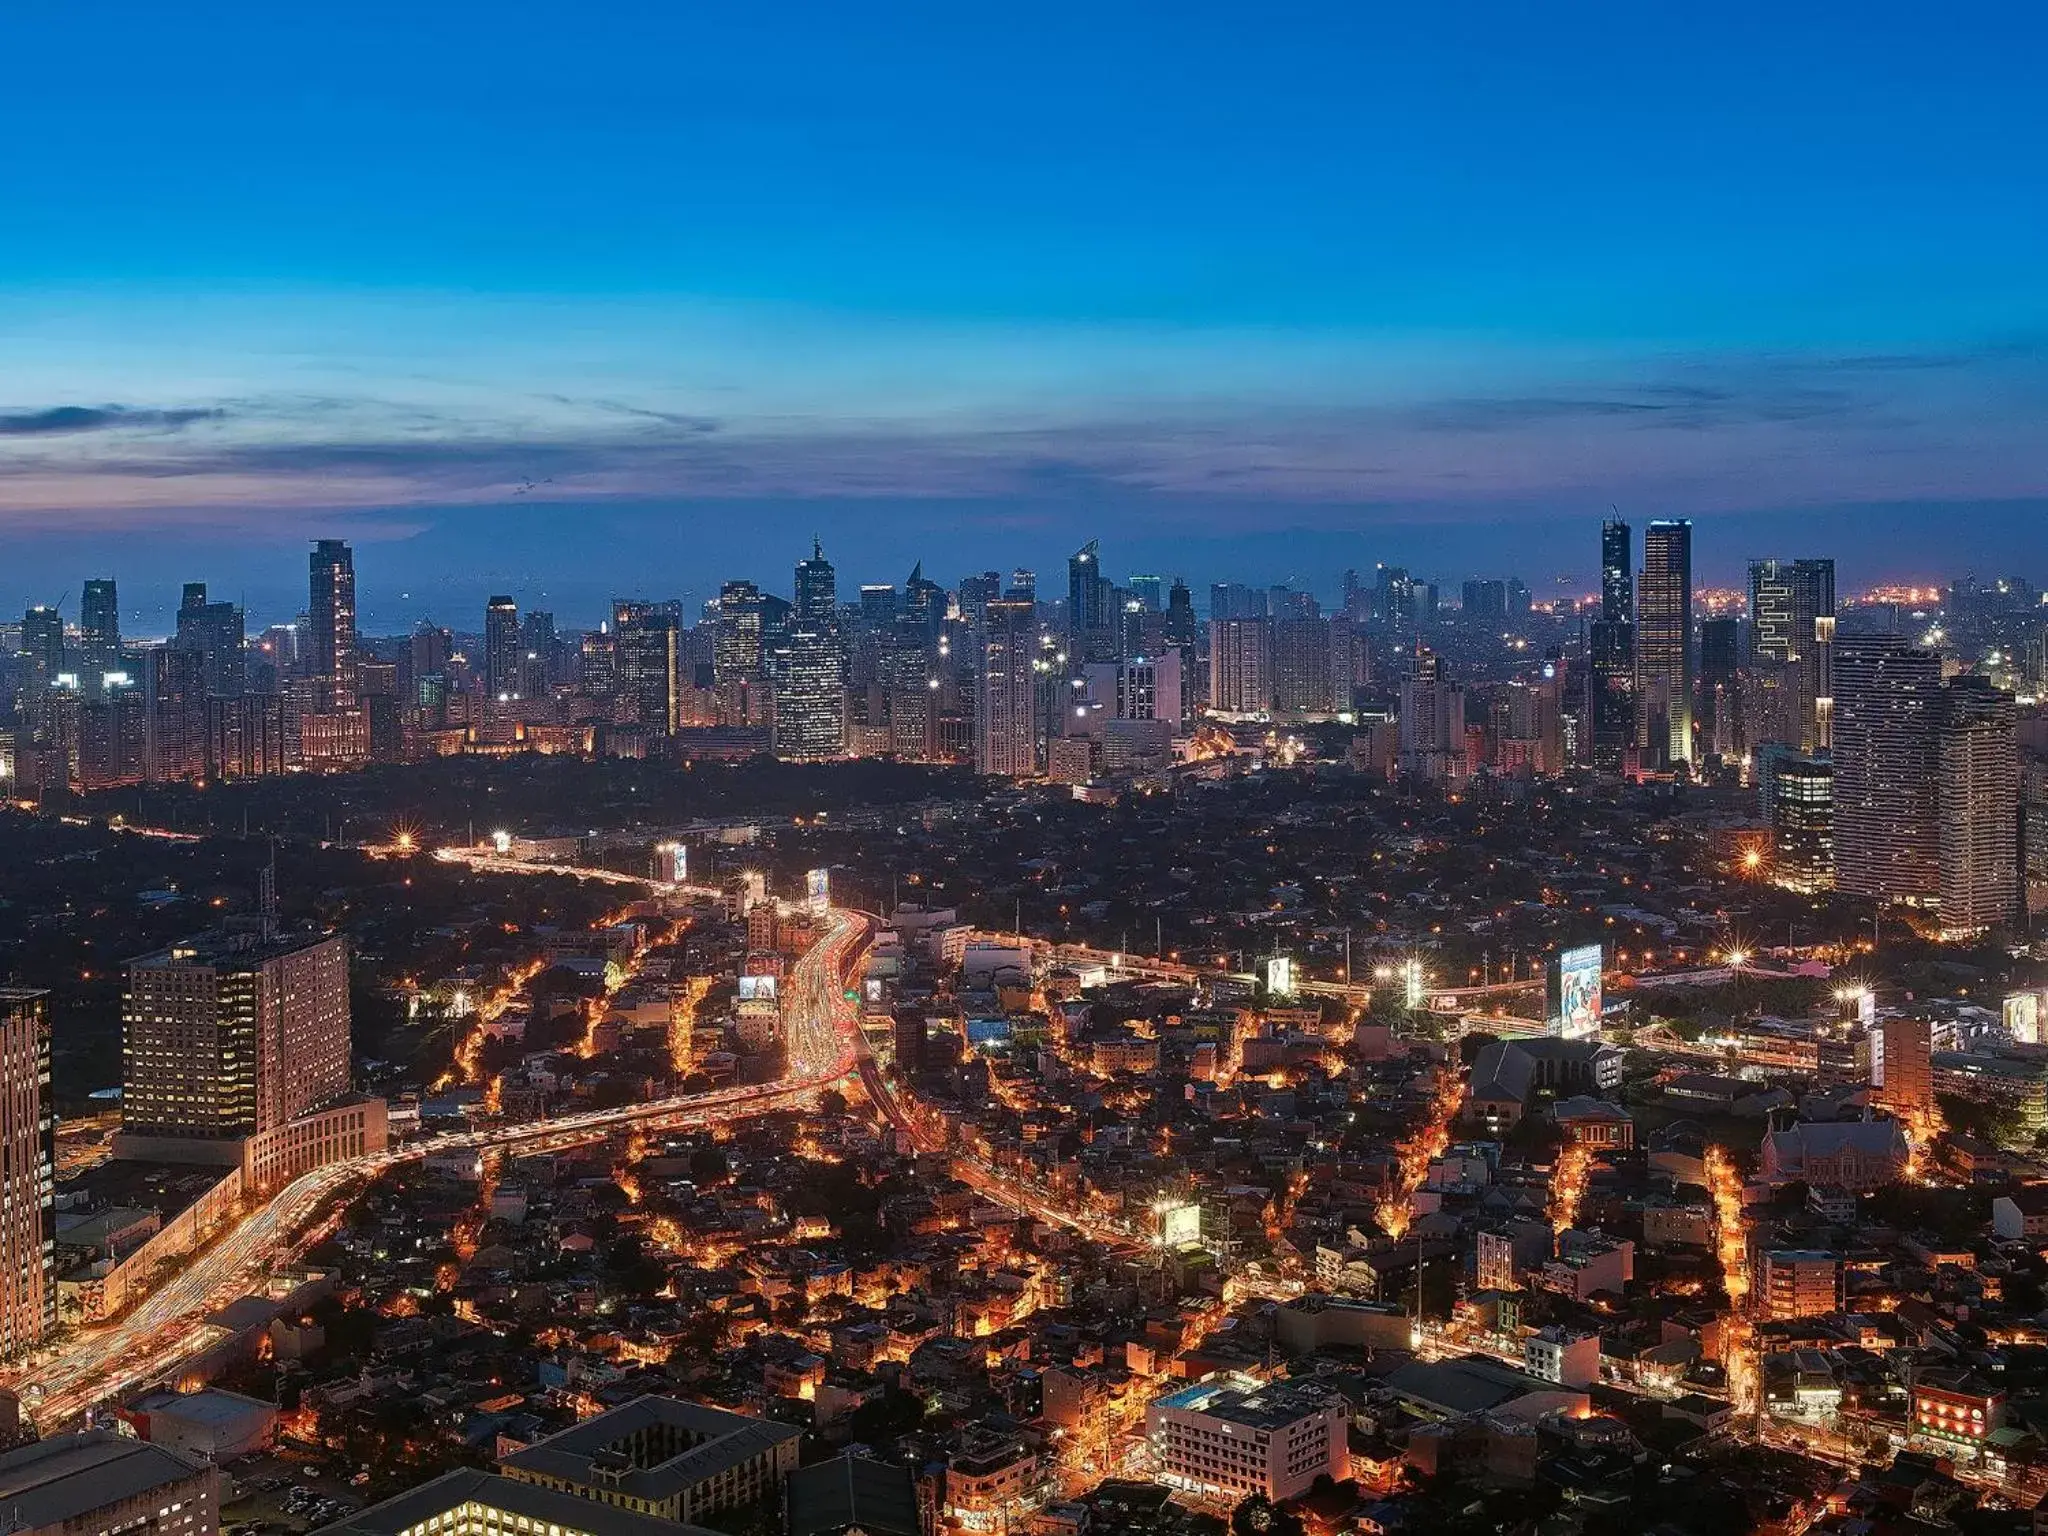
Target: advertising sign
<point>1280,976</point>
<point>818,885</point>
<point>1180,1224</point>
<point>1575,992</point>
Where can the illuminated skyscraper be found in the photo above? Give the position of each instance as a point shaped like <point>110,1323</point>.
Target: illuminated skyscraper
<point>810,668</point>
<point>1801,796</point>
<point>1610,714</point>
<point>42,647</point>
<point>738,657</point>
<point>99,631</point>
<point>817,593</point>
<point>1887,842</point>
<point>645,660</point>
<point>1979,835</point>
<point>28,1189</point>
<point>1617,561</point>
<point>1007,716</point>
<point>1664,666</point>
<point>504,673</point>
<point>1302,683</point>
<point>332,611</point>
<point>1791,648</point>
<point>1240,666</point>
<point>1086,613</point>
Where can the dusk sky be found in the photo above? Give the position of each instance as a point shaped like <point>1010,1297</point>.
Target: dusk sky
<point>565,301</point>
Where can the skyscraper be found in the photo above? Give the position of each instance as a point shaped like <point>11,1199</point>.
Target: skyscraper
<point>1802,819</point>
<point>42,647</point>
<point>28,1187</point>
<point>1791,647</point>
<point>332,612</point>
<point>229,1035</point>
<point>1240,666</point>
<point>99,631</point>
<point>1979,834</point>
<point>1887,846</point>
<point>1007,710</point>
<point>817,593</point>
<point>1086,609</point>
<point>738,656</point>
<point>1720,698</point>
<point>645,661</point>
<point>214,631</point>
<point>1302,682</point>
<point>1150,591</point>
<point>504,673</point>
<point>1902,1067</point>
<point>1664,668</point>
<point>1611,656</point>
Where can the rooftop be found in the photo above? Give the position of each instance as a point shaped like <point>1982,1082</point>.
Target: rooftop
<point>487,1490</point>
<point>59,1479</point>
<point>591,1452</point>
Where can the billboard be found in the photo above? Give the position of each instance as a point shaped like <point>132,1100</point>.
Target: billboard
<point>1411,984</point>
<point>672,864</point>
<point>818,886</point>
<point>757,989</point>
<point>1180,1224</point>
<point>2023,1018</point>
<point>1575,993</point>
<point>1280,976</point>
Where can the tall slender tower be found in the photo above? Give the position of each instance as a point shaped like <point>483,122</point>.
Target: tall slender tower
<point>1887,796</point>
<point>1664,664</point>
<point>1791,649</point>
<point>332,610</point>
<point>817,592</point>
<point>99,630</point>
<point>1611,655</point>
<point>1006,734</point>
<point>503,672</point>
<point>28,1187</point>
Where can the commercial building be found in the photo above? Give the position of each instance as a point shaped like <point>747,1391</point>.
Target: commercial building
<point>230,1035</point>
<point>28,1215</point>
<point>1233,1437</point>
<point>663,1457</point>
<point>100,1482</point>
<point>1007,716</point>
<point>1567,1356</point>
<point>471,1503</point>
<point>1886,762</point>
<point>1978,835</point>
<point>1800,793</point>
<point>1664,659</point>
<point>1791,647</point>
<point>504,671</point>
<point>335,666</point>
<point>1240,666</point>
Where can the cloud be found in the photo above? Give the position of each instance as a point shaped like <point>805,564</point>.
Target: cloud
<point>68,420</point>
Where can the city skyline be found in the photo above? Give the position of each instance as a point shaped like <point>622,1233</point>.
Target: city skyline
<point>1378,288</point>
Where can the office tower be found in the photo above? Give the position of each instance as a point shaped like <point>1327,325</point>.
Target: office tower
<point>541,661</point>
<point>1791,646</point>
<point>1902,1067</point>
<point>1150,591</point>
<point>1617,560</point>
<point>1799,795</point>
<point>817,593</point>
<point>113,735</point>
<point>1235,600</point>
<point>1150,688</point>
<point>1007,712</point>
<point>810,696</point>
<point>99,631</point>
<point>177,702</point>
<point>738,655</point>
<point>332,615</point>
<point>42,647</point>
<point>976,593</point>
<point>1302,684</point>
<point>1486,602</point>
<point>1664,670</point>
<point>1610,694</point>
<point>1397,600</point>
<point>1240,666</point>
<point>646,676</point>
<point>878,608</point>
<point>1979,835</point>
<point>28,1180</point>
<point>1087,593</point>
<point>924,600</point>
<point>503,670</point>
<point>1432,726</point>
<point>1720,696</point>
<point>229,1035</point>
<point>1887,841</point>
<point>213,632</point>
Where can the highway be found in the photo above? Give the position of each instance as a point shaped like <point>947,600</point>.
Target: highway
<point>170,1327</point>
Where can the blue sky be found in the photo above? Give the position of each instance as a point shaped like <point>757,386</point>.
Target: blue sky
<point>576,299</point>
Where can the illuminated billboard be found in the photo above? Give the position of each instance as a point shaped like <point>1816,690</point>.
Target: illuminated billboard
<point>1411,984</point>
<point>1575,993</point>
<point>1280,976</point>
<point>672,864</point>
<point>757,989</point>
<point>1180,1224</point>
<point>2023,1018</point>
<point>818,885</point>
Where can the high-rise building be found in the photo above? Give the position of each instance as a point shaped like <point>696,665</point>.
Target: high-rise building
<point>1719,722</point>
<point>1150,591</point>
<point>1007,715</point>
<point>1302,682</point>
<point>1979,798</point>
<point>214,632</point>
<point>1235,600</point>
<point>1799,793</point>
<point>332,613</point>
<point>1240,666</point>
<point>42,647</point>
<point>1486,602</point>
<point>504,670</point>
<point>1664,669</point>
<point>1087,593</point>
<point>1887,840</point>
<point>28,1198</point>
<point>1902,1067</point>
<point>1791,647</point>
<point>739,655</point>
<point>1150,688</point>
<point>99,631</point>
<point>229,1035</point>
<point>1617,561</point>
<point>645,661</point>
<point>1432,741</point>
<point>817,593</point>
